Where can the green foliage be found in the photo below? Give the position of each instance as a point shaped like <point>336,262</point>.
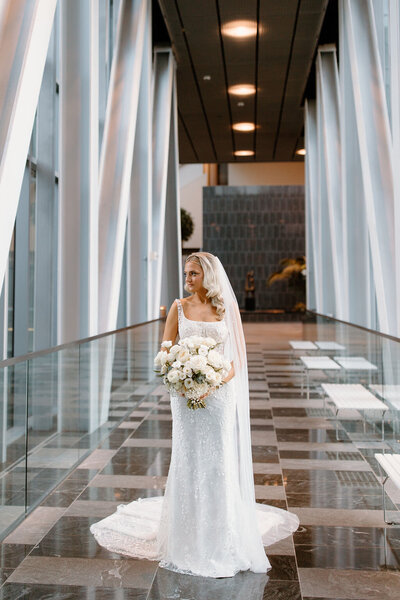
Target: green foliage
<point>187,225</point>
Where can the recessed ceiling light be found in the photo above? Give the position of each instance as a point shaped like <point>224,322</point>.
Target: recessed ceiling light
<point>240,29</point>
<point>206,77</point>
<point>243,126</point>
<point>244,153</point>
<point>245,89</point>
<point>301,152</point>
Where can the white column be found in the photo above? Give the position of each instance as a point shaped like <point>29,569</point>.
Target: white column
<point>330,180</point>
<point>24,39</point>
<point>314,295</point>
<point>162,103</point>
<point>374,144</point>
<point>117,155</point>
<point>78,151</point>
<point>139,218</point>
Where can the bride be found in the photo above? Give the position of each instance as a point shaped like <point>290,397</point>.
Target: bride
<point>208,522</point>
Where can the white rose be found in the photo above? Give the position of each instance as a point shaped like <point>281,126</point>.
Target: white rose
<point>173,376</point>
<point>160,359</point>
<point>197,363</point>
<point>176,364</point>
<point>183,355</point>
<point>203,350</point>
<point>209,373</point>
<point>182,375</point>
<point>188,371</point>
<point>166,344</point>
<point>215,359</point>
<point>210,342</point>
<point>189,383</point>
<point>175,349</point>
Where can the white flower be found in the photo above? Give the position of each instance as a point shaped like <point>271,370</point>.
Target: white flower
<point>173,376</point>
<point>210,342</point>
<point>166,344</point>
<point>189,383</point>
<point>203,350</point>
<point>197,363</point>
<point>209,373</point>
<point>215,359</point>
<point>188,371</point>
<point>183,355</point>
<point>182,375</point>
<point>176,364</point>
<point>175,349</point>
<point>160,359</point>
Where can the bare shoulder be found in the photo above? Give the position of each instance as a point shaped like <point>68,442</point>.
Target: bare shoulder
<point>187,300</point>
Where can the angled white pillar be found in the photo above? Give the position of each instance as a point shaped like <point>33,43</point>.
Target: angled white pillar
<point>162,104</point>
<point>330,191</point>
<point>24,39</point>
<point>117,154</point>
<point>78,167</point>
<point>171,277</point>
<point>374,142</point>
<point>139,217</point>
<point>314,296</point>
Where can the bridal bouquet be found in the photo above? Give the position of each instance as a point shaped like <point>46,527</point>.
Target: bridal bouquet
<point>192,367</point>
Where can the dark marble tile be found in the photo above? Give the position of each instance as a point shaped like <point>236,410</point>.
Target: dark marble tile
<point>262,427</point>
<point>267,479</point>
<point>297,479</point>
<point>344,499</point>
<point>356,537</point>
<point>154,429</point>
<point>135,469</point>
<point>71,537</point>
<point>266,454</point>
<point>4,575</point>
<point>118,494</point>
<point>347,557</point>
<point>311,435</point>
<point>61,499</point>
<point>283,567</point>
<point>289,412</point>
<point>168,584</point>
<point>35,591</point>
<point>11,555</point>
<point>282,590</point>
<point>260,413</point>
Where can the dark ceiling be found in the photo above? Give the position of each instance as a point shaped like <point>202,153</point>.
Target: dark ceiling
<point>278,61</point>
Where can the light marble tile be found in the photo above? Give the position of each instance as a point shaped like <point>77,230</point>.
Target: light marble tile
<point>148,443</point>
<point>309,446</point>
<point>302,423</point>
<point>350,584</point>
<point>129,425</point>
<point>269,492</point>
<point>97,459</point>
<point>35,526</point>
<point>93,572</point>
<point>338,517</point>
<point>296,403</point>
<point>324,465</point>
<point>129,481</point>
<point>91,508</point>
<point>266,422</point>
<point>263,438</point>
<point>159,417</point>
<point>267,468</point>
<point>284,547</point>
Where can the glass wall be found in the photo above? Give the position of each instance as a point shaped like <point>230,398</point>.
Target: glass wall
<point>56,406</point>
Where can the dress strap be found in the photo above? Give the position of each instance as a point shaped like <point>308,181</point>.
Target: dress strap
<point>180,309</point>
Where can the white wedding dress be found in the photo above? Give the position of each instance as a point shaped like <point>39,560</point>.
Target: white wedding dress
<point>200,526</point>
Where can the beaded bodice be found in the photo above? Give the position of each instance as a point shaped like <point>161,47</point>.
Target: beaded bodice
<point>215,329</point>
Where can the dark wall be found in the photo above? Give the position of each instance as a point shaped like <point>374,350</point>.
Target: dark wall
<point>254,227</point>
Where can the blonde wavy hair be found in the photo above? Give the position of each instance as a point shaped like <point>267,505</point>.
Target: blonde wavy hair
<point>210,282</point>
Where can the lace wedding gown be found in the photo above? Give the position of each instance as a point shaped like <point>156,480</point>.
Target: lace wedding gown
<point>200,526</point>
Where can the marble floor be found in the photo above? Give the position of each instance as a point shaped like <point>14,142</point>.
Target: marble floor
<point>304,461</point>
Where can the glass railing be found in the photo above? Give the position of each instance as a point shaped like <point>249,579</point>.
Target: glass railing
<point>367,359</point>
<point>57,405</point>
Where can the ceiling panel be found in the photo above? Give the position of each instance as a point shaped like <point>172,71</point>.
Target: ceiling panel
<point>277,61</point>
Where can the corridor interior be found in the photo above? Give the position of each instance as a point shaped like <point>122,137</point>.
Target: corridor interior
<point>304,460</point>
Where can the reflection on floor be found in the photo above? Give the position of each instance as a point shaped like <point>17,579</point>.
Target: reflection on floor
<point>341,551</point>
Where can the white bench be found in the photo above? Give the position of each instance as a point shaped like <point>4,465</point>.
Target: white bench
<point>302,345</point>
<point>355,363</point>
<point>326,345</point>
<point>390,393</point>
<point>390,464</point>
<point>319,363</point>
<point>353,396</point>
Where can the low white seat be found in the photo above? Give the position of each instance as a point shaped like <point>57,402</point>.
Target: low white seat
<point>390,393</point>
<point>319,362</point>
<point>390,464</point>
<point>326,345</point>
<point>355,363</point>
<point>354,396</point>
<point>302,345</point>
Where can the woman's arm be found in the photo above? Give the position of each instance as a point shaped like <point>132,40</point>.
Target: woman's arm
<point>230,374</point>
<point>171,324</point>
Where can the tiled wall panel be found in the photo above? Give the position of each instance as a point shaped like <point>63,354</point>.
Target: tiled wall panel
<point>254,228</point>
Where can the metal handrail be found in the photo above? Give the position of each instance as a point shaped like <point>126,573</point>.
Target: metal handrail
<point>31,355</point>
<point>373,331</point>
